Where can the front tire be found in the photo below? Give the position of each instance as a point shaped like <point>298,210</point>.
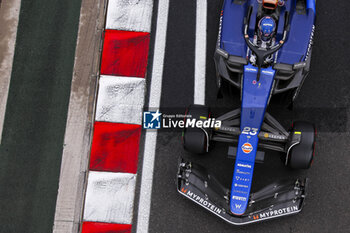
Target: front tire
<point>196,140</point>
<point>301,155</point>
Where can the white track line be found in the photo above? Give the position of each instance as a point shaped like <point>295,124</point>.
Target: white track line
<point>154,102</point>
<point>200,54</point>
<point>9,15</point>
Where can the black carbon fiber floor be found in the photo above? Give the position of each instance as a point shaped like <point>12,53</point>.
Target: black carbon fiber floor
<point>325,100</point>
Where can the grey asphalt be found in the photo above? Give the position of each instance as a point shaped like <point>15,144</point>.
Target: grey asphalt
<point>324,100</point>
<point>30,153</point>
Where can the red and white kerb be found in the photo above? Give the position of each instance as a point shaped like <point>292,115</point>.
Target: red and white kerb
<point>111,182</point>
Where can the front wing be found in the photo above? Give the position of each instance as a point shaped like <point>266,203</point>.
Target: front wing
<point>275,200</point>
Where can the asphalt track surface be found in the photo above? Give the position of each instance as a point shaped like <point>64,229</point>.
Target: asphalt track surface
<point>31,149</point>
<point>324,100</point>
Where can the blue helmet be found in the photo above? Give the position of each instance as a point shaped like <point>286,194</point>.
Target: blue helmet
<point>267,28</point>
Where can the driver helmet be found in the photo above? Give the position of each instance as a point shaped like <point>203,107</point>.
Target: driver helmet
<point>267,28</point>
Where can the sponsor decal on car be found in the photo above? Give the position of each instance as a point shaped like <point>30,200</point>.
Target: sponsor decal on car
<point>278,212</point>
<point>251,69</point>
<point>310,43</point>
<point>226,128</point>
<point>220,27</point>
<point>239,191</point>
<point>203,202</point>
<point>274,136</point>
<point>267,72</point>
<point>242,172</point>
<point>238,178</point>
<point>244,165</point>
<point>241,185</point>
<point>239,198</point>
<point>247,147</point>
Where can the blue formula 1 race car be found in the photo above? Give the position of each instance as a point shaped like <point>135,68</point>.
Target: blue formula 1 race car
<point>264,49</point>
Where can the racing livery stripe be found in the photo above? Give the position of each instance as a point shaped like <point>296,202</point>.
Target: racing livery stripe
<point>109,197</point>
<point>200,54</point>
<point>97,227</point>
<point>125,53</point>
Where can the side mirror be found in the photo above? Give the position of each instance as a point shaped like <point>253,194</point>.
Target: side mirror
<point>283,67</point>
<point>283,71</point>
<point>222,52</point>
<point>299,65</point>
<point>237,60</point>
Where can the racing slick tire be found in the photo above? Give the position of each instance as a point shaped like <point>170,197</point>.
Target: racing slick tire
<point>195,140</point>
<point>301,155</point>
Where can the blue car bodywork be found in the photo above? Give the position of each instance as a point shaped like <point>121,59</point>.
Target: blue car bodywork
<point>254,102</point>
<point>259,70</point>
<point>255,95</point>
<point>301,29</point>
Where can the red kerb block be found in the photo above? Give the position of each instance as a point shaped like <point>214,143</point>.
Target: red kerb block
<point>96,227</point>
<point>125,53</point>
<point>115,147</point>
